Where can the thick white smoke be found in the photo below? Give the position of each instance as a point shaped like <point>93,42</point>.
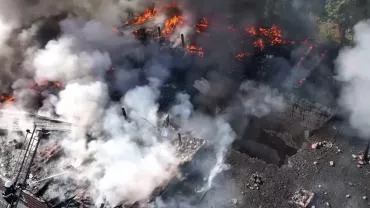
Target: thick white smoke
<point>111,158</point>
<point>129,158</point>
<point>353,70</point>
<point>260,100</point>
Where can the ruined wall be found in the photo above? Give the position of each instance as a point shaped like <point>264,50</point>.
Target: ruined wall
<point>298,116</point>
<point>16,121</point>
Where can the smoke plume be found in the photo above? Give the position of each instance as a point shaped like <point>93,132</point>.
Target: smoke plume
<point>353,71</point>
<point>86,73</point>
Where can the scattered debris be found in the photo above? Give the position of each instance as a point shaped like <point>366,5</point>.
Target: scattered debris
<point>327,204</point>
<point>361,159</point>
<point>234,201</point>
<point>348,196</point>
<point>255,182</point>
<point>318,145</point>
<point>315,162</point>
<point>50,152</point>
<point>187,146</point>
<point>364,197</point>
<point>331,163</point>
<point>302,198</point>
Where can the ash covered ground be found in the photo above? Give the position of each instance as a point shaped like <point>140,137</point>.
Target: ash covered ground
<point>184,104</point>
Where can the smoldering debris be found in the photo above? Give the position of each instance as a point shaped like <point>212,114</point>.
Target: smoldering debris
<point>104,89</point>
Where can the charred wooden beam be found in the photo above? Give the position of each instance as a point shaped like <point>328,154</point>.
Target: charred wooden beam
<point>183,40</point>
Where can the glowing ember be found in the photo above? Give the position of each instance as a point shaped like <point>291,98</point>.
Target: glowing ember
<point>195,49</point>
<point>202,25</point>
<point>147,14</point>
<point>171,23</point>
<point>271,35</point>
<point>57,84</point>
<point>259,43</point>
<point>7,98</point>
<point>251,31</point>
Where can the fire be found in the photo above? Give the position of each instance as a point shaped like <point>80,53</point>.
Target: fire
<point>202,25</point>
<point>7,98</point>
<point>263,36</point>
<point>259,43</point>
<point>171,23</point>
<point>275,35</point>
<point>57,84</point>
<point>43,84</point>
<point>251,31</point>
<point>146,15</point>
<point>195,50</point>
<point>271,35</point>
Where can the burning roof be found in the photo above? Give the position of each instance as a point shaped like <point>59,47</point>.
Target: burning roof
<point>117,158</point>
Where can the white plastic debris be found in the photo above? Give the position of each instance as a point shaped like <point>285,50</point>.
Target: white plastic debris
<point>348,196</point>
<point>302,197</point>
<point>331,163</point>
<point>234,201</point>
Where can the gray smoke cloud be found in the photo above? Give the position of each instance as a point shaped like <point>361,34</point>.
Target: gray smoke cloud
<point>107,157</point>
<point>353,71</point>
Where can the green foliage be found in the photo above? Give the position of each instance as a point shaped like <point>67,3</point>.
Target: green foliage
<point>337,10</point>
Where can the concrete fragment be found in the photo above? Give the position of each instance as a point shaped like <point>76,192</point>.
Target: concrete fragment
<point>234,201</point>
<point>303,197</point>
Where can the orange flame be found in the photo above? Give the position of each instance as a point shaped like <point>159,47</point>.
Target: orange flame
<point>275,35</point>
<point>251,31</point>
<point>57,84</point>
<point>259,43</point>
<point>202,25</point>
<point>171,23</point>
<point>272,35</point>
<point>195,50</point>
<point>7,98</point>
<point>147,14</point>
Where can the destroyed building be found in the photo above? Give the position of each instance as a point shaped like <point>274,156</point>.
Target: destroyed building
<point>269,152</point>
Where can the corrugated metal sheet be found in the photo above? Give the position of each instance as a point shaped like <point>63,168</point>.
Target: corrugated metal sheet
<point>11,120</point>
<point>32,202</point>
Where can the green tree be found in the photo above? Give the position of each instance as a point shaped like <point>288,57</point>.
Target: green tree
<point>346,13</point>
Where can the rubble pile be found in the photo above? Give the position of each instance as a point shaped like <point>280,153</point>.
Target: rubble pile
<point>302,198</point>
<point>319,145</point>
<point>187,146</point>
<point>50,152</point>
<point>255,182</point>
<point>360,159</point>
